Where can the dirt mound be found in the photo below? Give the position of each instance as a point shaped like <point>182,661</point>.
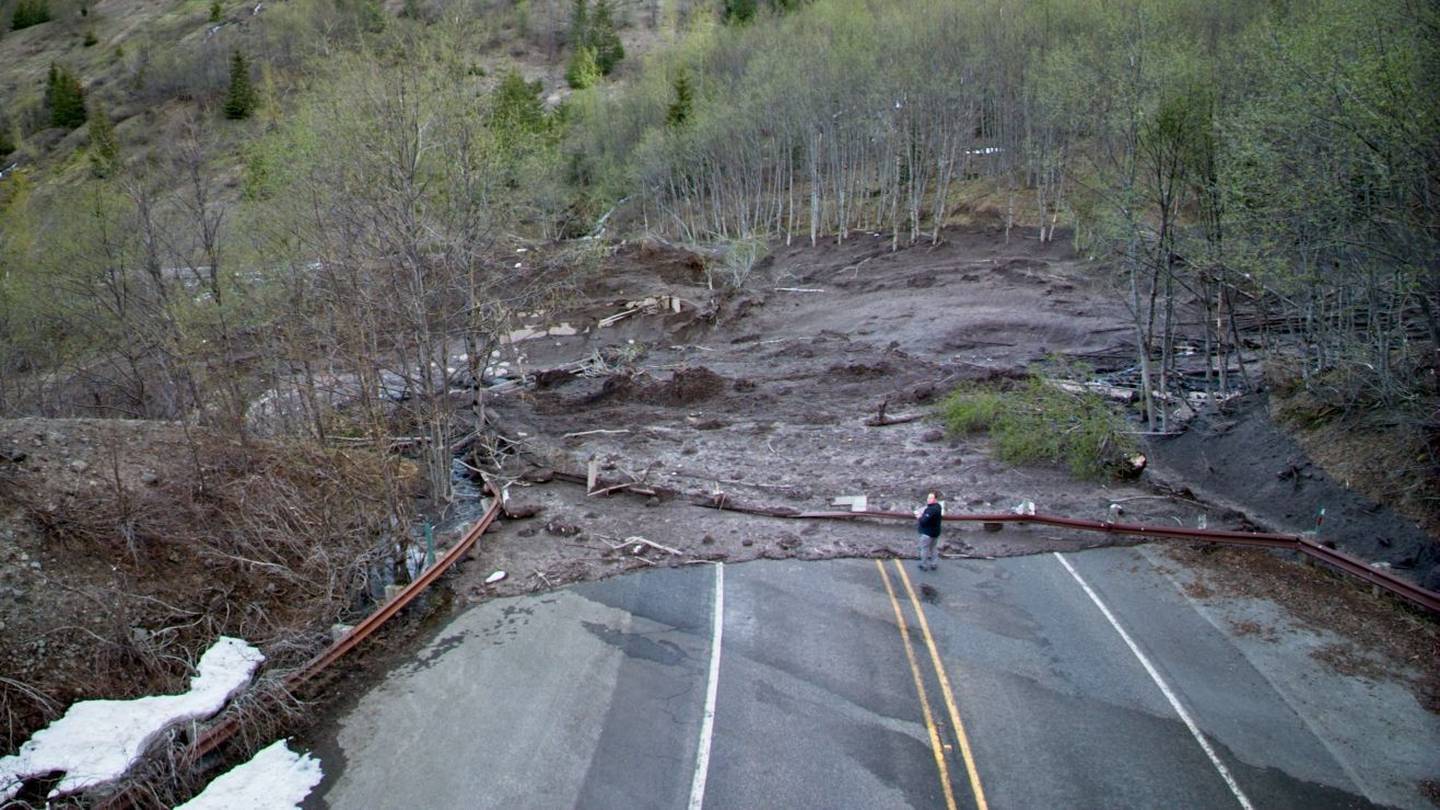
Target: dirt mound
<point>687,386</point>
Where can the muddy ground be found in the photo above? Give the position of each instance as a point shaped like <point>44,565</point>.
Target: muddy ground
<point>763,397</point>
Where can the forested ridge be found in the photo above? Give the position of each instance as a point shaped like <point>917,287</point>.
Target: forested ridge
<point>333,197</point>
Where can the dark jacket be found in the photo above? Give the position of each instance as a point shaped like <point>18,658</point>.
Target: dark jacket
<point>929,522</point>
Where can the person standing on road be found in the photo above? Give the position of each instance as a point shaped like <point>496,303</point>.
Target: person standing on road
<point>927,523</point>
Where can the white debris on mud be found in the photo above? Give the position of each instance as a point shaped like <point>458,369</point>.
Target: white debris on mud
<point>276,778</point>
<point>97,741</point>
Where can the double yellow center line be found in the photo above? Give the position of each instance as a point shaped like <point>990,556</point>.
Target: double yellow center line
<point>946,692</point>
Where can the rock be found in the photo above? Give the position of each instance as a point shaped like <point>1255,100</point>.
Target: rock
<point>339,631</point>
<point>392,590</point>
<point>149,478</point>
<point>495,577</point>
<point>933,436</point>
<point>520,511</point>
<point>560,529</point>
<point>139,635</point>
<point>13,456</point>
<point>79,466</point>
<point>747,542</point>
<point>652,501</point>
<point>538,475</point>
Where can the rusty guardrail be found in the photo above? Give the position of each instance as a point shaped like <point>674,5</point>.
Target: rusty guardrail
<point>1427,599</point>
<point>214,736</point>
<point>1409,591</point>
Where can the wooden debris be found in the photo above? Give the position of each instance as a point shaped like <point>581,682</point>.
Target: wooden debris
<point>638,539</point>
<point>580,433</point>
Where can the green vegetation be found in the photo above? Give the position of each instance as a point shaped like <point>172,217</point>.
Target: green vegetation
<point>217,13</point>
<point>64,98</point>
<point>104,145</point>
<point>681,108</point>
<point>240,100</point>
<point>583,71</point>
<point>1036,422</point>
<point>90,39</point>
<point>594,33</point>
<point>28,13</point>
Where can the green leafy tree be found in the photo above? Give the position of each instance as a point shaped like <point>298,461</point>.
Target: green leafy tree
<point>240,100</point>
<point>683,106</point>
<point>104,145</point>
<point>583,70</point>
<point>65,98</point>
<point>602,37</point>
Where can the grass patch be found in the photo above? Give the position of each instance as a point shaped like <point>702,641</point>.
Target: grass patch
<point>1037,423</point>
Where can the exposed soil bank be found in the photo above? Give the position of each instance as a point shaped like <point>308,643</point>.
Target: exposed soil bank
<point>1246,461</point>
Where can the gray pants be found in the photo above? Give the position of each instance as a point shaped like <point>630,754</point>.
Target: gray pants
<point>929,550</point>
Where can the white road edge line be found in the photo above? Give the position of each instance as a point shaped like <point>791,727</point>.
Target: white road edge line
<point>707,726</point>
<point>1160,682</point>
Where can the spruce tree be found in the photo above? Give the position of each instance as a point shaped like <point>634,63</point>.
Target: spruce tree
<point>7,139</point>
<point>28,13</point>
<point>579,24</point>
<point>583,71</point>
<point>739,12</point>
<point>602,37</point>
<point>684,103</point>
<point>104,145</point>
<point>240,101</point>
<point>65,98</point>
<point>216,12</point>
<point>517,106</point>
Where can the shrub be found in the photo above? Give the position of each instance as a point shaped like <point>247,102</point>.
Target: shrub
<point>583,71</point>
<point>90,38</point>
<point>1037,422</point>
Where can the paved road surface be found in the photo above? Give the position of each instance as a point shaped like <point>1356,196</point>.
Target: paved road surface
<point>1061,682</point>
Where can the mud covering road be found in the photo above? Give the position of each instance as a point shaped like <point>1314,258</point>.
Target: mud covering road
<point>764,396</point>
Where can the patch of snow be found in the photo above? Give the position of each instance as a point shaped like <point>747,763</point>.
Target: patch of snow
<point>276,778</point>
<point>98,740</point>
<point>495,577</point>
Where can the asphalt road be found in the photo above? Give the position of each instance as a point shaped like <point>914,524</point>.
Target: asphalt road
<point>1088,680</point>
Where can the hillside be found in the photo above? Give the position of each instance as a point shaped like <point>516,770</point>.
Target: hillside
<point>285,284</point>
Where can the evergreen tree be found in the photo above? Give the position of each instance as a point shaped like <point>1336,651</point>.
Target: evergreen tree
<point>90,38</point>
<point>684,103</point>
<point>240,101</point>
<point>411,10</point>
<point>517,106</point>
<point>216,12</point>
<point>579,24</point>
<point>7,139</point>
<point>28,13</point>
<point>65,98</point>
<point>602,37</point>
<point>739,12</point>
<point>104,145</point>
<point>583,71</point>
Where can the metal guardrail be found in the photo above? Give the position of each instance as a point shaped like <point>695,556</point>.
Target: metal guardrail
<point>1411,592</point>
<point>1399,586</point>
<point>216,735</point>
